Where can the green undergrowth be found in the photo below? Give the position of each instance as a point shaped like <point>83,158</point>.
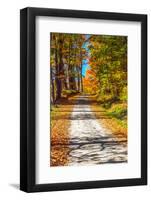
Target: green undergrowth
<point>119,112</point>
<point>114,108</point>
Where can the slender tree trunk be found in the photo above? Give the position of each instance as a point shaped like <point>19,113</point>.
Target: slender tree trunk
<point>59,68</point>
<point>58,81</point>
<point>67,77</point>
<point>59,88</point>
<point>81,80</point>
<point>69,67</point>
<point>81,70</point>
<point>72,83</point>
<point>52,78</point>
<point>52,87</point>
<point>75,70</point>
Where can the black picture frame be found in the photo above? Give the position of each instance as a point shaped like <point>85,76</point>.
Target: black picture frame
<point>28,99</point>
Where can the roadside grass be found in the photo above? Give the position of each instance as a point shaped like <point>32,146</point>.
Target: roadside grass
<point>118,111</point>
<point>113,117</point>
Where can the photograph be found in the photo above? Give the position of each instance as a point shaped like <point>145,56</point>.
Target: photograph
<point>88,99</point>
<point>83,99</point>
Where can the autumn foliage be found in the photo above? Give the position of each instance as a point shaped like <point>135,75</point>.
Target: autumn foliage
<point>105,80</point>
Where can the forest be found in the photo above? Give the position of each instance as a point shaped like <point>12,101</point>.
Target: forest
<point>106,75</point>
<point>88,91</point>
<point>67,54</point>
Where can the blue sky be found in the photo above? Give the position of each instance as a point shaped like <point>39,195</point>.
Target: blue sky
<point>85,65</point>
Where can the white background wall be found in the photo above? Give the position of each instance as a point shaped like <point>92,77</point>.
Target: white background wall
<point>9,98</point>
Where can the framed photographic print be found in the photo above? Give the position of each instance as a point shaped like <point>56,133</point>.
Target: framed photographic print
<point>83,99</point>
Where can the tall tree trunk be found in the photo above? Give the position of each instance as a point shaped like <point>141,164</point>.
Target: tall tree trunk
<point>75,70</point>
<point>67,77</point>
<point>59,88</point>
<point>81,79</point>
<point>81,70</point>
<point>69,67</point>
<point>52,78</point>
<point>52,87</point>
<point>79,89</point>
<point>72,79</point>
<point>78,79</point>
<point>59,68</point>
